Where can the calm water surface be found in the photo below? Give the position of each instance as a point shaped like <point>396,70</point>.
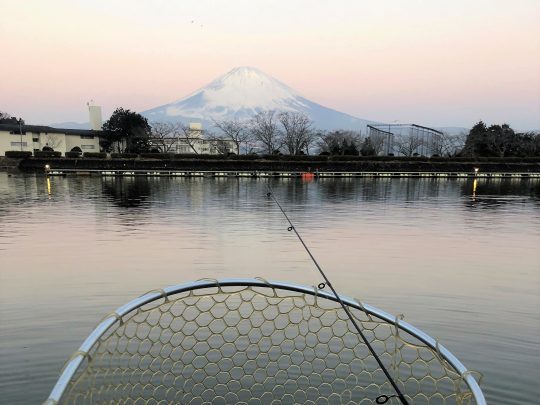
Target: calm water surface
<point>462,266</point>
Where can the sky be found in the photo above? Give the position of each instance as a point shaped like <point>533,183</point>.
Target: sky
<point>431,62</point>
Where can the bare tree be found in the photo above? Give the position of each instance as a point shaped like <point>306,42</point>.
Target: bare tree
<point>187,135</point>
<point>377,140</point>
<point>437,144</point>
<point>234,130</point>
<point>407,144</point>
<point>457,143</point>
<point>164,135</point>
<point>446,144</point>
<point>339,142</point>
<point>6,118</point>
<point>297,133</point>
<point>264,129</point>
<point>219,145</point>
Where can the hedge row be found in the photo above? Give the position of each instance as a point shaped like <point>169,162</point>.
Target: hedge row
<point>18,154</point>
<point>95,155</point>
<point>124,155</point>
<point>160,156</point>
<point>47,153</point>
<point>282,158</point>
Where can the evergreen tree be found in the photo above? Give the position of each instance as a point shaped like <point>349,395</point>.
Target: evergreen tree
<point>350,149</point>
<point>367,148</point>
<point>126,131</point>
<point>499,141</point>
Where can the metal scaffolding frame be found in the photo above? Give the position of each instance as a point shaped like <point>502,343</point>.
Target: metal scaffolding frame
<point>420,139</point>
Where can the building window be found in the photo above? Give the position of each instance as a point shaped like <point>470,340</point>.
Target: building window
<point>87,146</point>
<point>18,144</point>
<point>35,139</point>
<point>87,137</point>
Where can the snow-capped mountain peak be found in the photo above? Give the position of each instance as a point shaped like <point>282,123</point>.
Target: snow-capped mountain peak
<point>250,80</point>
<point>240,94</point>
<point>243,88</point>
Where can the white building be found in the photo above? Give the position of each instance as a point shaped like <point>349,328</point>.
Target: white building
<point>96,122</point>
<point>194,142</point>
<point>33,138</point>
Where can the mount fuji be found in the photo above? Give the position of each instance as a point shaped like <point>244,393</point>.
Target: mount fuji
<point>243,92</point>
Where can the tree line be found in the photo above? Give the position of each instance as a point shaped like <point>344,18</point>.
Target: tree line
<point>267,132</point>
<point>293,133</point>
<point>6,118</point>
<point>500,141</point>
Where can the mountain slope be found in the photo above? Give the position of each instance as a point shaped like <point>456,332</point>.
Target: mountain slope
<point>243,92</point>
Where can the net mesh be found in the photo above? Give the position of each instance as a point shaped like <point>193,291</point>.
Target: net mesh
<point>254,345</point>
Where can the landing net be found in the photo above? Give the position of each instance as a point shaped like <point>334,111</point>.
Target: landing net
<point>255,342</point>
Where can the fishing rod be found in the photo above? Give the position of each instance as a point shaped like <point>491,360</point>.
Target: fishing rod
<point>381,399</point>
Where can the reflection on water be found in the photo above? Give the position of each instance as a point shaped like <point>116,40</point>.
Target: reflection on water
<point>459,257</point>
<point>494,193</point>
<point>127,192</point>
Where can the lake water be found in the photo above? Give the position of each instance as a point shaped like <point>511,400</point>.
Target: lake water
<point>461,264</point>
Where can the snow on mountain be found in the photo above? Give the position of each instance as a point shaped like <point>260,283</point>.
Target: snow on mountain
<point>243,92</point>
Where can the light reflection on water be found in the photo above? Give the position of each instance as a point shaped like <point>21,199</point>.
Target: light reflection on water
<point>463,267</point>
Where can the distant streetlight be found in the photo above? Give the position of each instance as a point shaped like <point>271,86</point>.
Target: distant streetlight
<point>20,130</point>
<point>476,171</point>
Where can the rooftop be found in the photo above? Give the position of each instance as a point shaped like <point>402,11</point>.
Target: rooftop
<point>47,129</point>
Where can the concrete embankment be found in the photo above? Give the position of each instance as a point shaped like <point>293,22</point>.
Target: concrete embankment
<point>8,164</point>
<point>37,165</point>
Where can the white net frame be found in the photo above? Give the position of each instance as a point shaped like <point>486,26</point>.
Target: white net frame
<point>252,341</point>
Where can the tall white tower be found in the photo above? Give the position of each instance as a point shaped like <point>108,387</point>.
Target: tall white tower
<point>95,117</point>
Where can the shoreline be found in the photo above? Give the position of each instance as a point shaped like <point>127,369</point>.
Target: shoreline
<point>268,168</point>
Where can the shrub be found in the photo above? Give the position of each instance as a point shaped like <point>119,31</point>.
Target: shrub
<point>124,155</point>
<point>160,156</point>
<point>303,158</point>
<point>47,153</point>
<point>349,158</point>
<point>251,156</point>
<point>95,155</point>
<point>211,157</point>
<point>271,157</point>
<point>18,154</point>
<point>73,154</point>
<point>180,156</point>
<point>437,158</point>
<point>531,159</point>
<point>194,156</point>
